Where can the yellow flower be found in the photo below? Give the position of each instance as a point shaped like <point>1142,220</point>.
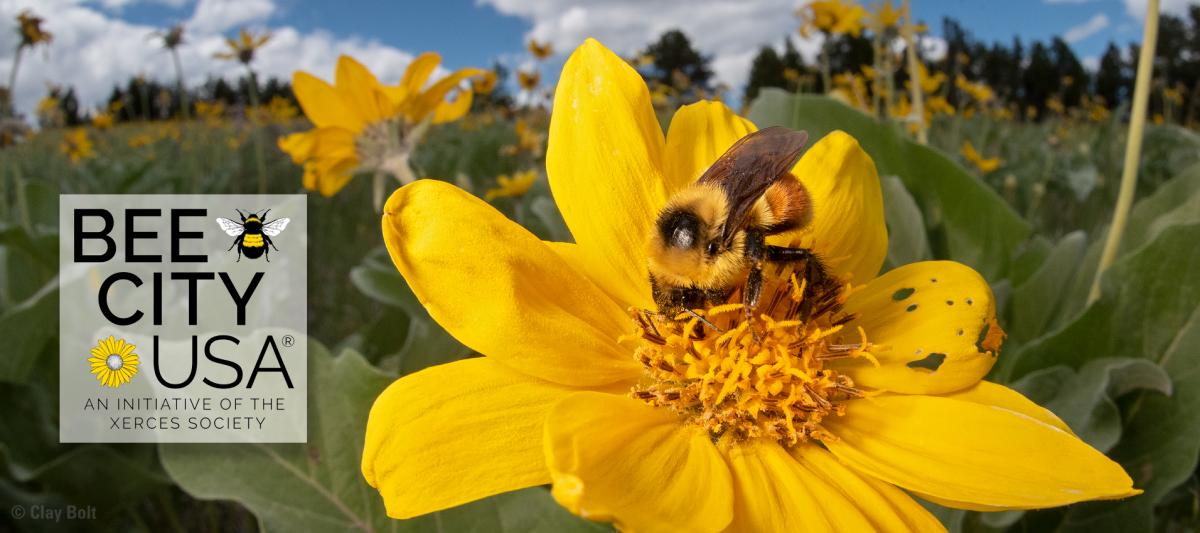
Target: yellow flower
<point>929,83</point>
<point>278,111</point>
<point>539,50</point>
<point>512,187</point>
<point>484,83</point>
<point>114,362</point>
<point>985,165</point>
<point>29,26</point>
<point>102,121</point>
<point>980,92</point>
<point>528,140</point>
<point>528,80</point>
<point>212,113</point>
<point>140,140</point>
<point>363,125</point>
<point>835,17</point>
<point>1055,105</point>
<point>1158,119</point>
<point>657,437</point>
<point>77,145</point>
<point>242,49</point>
<point>885,15</point>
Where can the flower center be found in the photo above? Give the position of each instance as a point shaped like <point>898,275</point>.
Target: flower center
<point>762,376</point>
<point>114,362</point>
<point>383,146</point>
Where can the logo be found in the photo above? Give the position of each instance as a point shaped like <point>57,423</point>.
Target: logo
<point>114,362</point>
<point>187,336</point>
<point>253,234</point>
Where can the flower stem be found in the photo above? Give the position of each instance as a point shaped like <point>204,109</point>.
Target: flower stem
<point>1133,147</point>
<point>184,104</point>
<point>914,76</point>
<point>9,108</point>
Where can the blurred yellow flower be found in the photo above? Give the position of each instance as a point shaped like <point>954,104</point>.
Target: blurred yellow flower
<point>30,29</point>
<point>929,83</point>
<point>834,17</point>
<point>212,113</point>
<point>539,50</point>
<point>512,187</point>
<point>140,140</point>
<point>1158,119</point>
<point>984,165</point>
<point>1055,105</point>
<point>484,83</point>
<point>528,140</point>
<point>102,120</point>
<point>978,91</point>
<point>77,145</point>
<point>278,111</point>
<point>363,125</point>
<point>884,15</point>
<point>242,49</point>
<point>529,80</point>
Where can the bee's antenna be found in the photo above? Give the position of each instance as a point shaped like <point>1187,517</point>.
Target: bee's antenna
<point>240,213</point>
<point>264,215</point>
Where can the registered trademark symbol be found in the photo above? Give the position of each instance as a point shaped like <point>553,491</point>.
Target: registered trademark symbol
<point>288,341</point>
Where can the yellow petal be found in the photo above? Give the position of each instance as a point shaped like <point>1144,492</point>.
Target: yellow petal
<point>361,90</point>
<point>455,433</point>
<point>333,160</point>
<point>973,453</point>
<point>435,96</point>
<point>418,72</point>
<point>322,104</point>
<point>988,393</point>
<point>698,135</point>
<point>574,256</point>
<point>298,145</point>
<point>454,109</point>
<point>774,492</point>
<point>602,161</point>
<point>885,506</point>
<point>847,229</point>
<point>934,324</point>
<point>499,290</point>
<point>613,458</point>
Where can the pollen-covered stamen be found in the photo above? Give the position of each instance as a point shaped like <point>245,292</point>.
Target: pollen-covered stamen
<point>762,377</point>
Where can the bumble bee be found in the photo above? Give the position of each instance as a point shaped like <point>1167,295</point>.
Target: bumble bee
<point>253,235</point>
<point>711,236</point>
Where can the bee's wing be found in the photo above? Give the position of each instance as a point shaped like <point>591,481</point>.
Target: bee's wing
<point>749,167</point>
<point>231,228</point>
<point>275,227</point>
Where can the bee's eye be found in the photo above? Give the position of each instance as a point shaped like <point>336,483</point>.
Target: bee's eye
<point>713,248</point>
<point>680,229</point>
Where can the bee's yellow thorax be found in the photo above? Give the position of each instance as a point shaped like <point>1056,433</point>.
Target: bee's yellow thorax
<point>252,241</point>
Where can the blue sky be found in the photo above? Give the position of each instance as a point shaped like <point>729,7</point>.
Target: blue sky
<point>99,41</point>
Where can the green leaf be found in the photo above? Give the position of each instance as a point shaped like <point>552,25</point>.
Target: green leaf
<point>907,242</point>
<point>319,486</point>
<point>972,224</point>
<point>1149,309</point>
<point>1035,301</point>
<point>1086,400</point>
<point>28,328</point>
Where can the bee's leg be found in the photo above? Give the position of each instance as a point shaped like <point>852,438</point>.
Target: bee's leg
<point>270,242</point>
<point>814,270</point>
<point>236,240</point>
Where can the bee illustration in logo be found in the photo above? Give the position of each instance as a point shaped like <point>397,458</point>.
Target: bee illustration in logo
<point>253,234</point>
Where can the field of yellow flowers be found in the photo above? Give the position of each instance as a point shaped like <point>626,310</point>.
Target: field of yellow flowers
<point>1110,343</point>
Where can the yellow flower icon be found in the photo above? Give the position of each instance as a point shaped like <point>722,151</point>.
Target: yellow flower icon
<point>114,362</point>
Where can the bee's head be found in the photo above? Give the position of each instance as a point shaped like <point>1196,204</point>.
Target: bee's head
<point>687,236</point>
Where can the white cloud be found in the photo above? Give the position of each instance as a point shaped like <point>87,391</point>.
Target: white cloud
<point>120,4</point>
<point>1137,8</point>
<point>221,15</point>
<point>1093,26</point>
<point>92,51</point>
<point>731,32</point>
<point>1091,63</point>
